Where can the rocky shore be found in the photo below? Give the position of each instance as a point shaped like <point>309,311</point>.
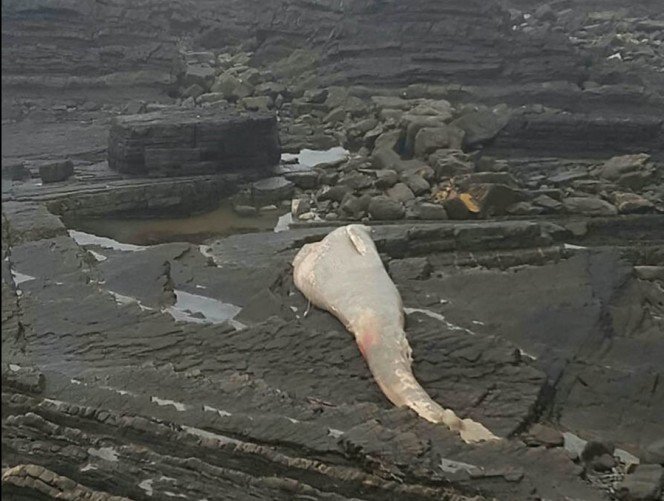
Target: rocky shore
<point>509,158</point>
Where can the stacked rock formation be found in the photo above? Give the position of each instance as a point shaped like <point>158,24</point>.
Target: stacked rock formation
<point>192,142</point>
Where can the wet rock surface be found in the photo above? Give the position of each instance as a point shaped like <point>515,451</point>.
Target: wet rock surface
<point>518,207</point>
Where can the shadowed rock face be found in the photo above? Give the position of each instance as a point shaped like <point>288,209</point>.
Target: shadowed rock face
<point>362,41</point>
<point>193,142</point>
<point>290,396</point>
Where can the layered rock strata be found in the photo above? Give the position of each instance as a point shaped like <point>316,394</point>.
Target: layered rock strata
<point>192,142</point>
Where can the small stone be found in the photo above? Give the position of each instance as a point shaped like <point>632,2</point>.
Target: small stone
<point>413,268</point>
<point>548,203</point>
<point>194,91</point>
<point>605,462</point>
<point>252,76</point>
<point>306,180</point>
<point>331,216</point>
<point>55,172</point>
<point>231,87</point>
<point>631,203</point>
<point>299,206</point>
<point>316,96</point>
<point>654,452</point>
<point>15,171</point>
<point>446,164</point>
<point>430,139</point>
<point>417,184</point>
<point>635,181</point>
<point>356,181</point>
<point>481,126</point>
<point>334,193</point>
<point>307,216</point>
<point>335,116</point>
<point>645,483</point>
<point>272,190</point>
<point>544,435</point>
<point>385,209</point>
<point>457,207</point>
<point>589,206</point>
<point>257,103</point>
<point>200,74</point>
<point>278,101</point>
<point>494,199</point>
<point>355,206</point>
<point>400,192</point>
<point>652,273</point>
<point>269,208</point>
<point>386,178</point>
<point>430,211</point>
<point>617,166</point>
<point>329,178</point>
<point>594,449</point>
<point>211,97</point>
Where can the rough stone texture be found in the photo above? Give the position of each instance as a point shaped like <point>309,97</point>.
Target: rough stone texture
<point>186,143</point>
<point>556,319</point>
<point>271,190</point>
<point>430,139</point>
<point>386,208</point>
<point>581,134</point>
<point>290,396</point>
<point>643,484</point>
<point>54,172</point>
<point>589,206</point>
<point>14,171</point>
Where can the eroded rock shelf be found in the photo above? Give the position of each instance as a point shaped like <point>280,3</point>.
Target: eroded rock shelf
<point>508,157</point>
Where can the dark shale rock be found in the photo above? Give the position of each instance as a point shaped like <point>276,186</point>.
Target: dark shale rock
<point>645,483</point>
<point>430,139</point>
<point>544,435</point>
<point>400,192</point>
<point>386,208</point>
<point>417,184</point>
<point>615,167</point>
<point>272,190</point>
<point>494,199</point>
<point>386,178</point>
<point>55,172</point>
<point>334,193</point>
<point>589,206</point>
<point>448,163</point>
<point>481,126</point>
<point>414,268</point>
<point>14,171</point>
<point>631,203</point>
<point>184,142</point>
<point>429,211</point>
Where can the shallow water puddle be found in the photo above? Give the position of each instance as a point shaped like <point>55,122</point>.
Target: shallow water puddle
<point>83,239</point>
<point>137,233</point>
<point>179,406</point>
<point>20,278</point>
<point>439,317</point>
<point>133,234</point>
<point>203,310</point>
<point>311,158</point>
